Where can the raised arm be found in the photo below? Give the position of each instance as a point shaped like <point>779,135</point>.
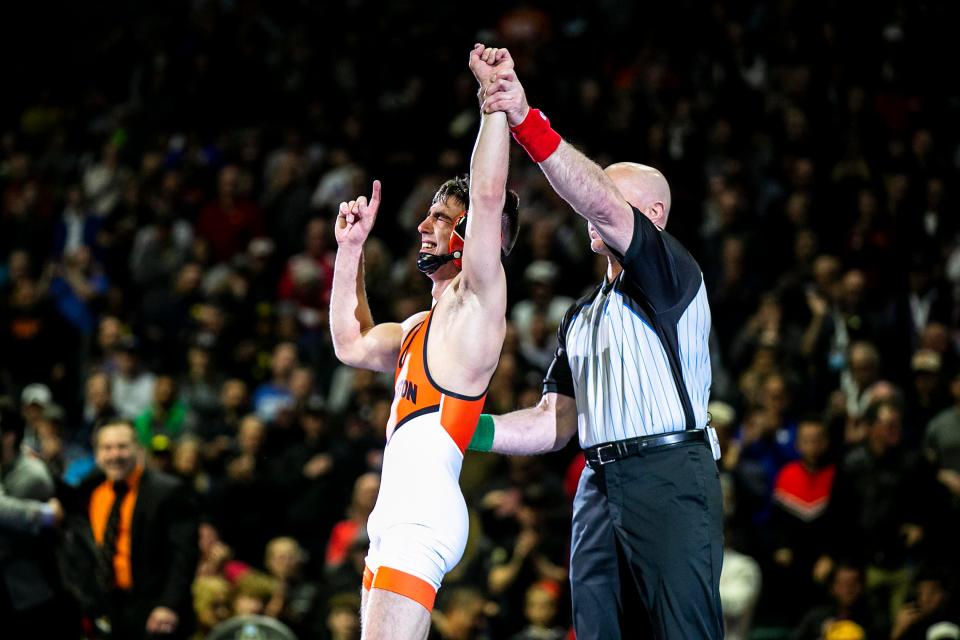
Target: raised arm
<point>575,177</point>
<point>482,272</point>
<point>357,341</point>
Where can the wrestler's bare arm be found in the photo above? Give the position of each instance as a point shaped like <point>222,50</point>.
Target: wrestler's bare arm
<point>545,427</point>
<point>357,341</point>
<point>483,275</point>
<point>469,329</point>
<point>575,177</point>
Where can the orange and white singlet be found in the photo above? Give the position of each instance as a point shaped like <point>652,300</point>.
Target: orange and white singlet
<point>416,394</point>
<point>418,529</point>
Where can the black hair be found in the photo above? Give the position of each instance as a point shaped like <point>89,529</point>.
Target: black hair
<point>112,422</point>
<point>459,188</point>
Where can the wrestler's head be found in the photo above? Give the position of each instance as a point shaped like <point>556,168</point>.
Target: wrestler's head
<point>643,187</point>
<point>443,230</point>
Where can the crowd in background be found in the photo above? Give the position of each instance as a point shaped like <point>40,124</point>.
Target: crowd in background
<point>169,190</point>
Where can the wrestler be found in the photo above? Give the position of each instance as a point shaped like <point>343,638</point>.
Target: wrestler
<point>443,360</point>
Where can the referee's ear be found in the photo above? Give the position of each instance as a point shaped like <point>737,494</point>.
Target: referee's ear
<point>657,214</point>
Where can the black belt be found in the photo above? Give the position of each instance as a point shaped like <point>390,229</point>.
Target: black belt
<point>612,451</point>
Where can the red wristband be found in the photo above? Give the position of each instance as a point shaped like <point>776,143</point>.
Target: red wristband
<point>536,136</point>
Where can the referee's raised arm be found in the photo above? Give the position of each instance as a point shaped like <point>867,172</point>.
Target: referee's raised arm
<point>575,177</point>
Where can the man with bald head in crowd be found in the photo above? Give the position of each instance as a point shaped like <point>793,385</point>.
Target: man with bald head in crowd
<point>632,376</point>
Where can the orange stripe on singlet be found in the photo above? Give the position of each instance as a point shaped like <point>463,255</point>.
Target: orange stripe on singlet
<point>367,578</point>
<point>405,584</point>
<point>416,393</point>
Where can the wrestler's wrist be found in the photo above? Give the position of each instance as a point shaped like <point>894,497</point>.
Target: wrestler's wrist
<point>351,249</point>
<point>483,435</point>
<point>536,136</point>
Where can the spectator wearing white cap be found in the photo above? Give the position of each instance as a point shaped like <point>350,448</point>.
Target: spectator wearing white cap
<point>925,395</point>
<point>540,277</point>
<point>34,400</point>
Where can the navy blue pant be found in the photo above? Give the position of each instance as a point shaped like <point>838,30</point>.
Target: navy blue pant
<point>655,519</point>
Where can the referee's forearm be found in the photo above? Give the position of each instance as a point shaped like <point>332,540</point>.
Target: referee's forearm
<point>525,432</point>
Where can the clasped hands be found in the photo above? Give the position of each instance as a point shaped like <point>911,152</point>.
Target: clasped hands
<point>500,89</point>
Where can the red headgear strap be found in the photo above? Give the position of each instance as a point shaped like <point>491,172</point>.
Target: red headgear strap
<point>456,239</point>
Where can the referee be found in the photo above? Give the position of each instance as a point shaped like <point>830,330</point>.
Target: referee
<point>632,376</point>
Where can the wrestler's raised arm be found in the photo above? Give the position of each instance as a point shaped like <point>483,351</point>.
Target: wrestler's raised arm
<point>482,273</point>
<point>357,341</point>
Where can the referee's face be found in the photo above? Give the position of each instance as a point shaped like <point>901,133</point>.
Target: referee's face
<point>597,245</point>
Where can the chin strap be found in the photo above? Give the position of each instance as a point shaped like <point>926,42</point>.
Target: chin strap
<point>428,263</point>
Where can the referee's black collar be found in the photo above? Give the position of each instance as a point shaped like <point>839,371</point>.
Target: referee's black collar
<point>607,287</point>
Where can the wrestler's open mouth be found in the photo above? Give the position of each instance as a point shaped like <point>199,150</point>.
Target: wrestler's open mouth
<point>427,245</point>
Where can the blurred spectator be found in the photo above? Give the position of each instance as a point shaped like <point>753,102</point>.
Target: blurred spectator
<point>145,530</point>
<point>308,276</point>
<point>131,386</point>
<point>217,432</point>
<point>349,573</point>
<point>932,604</point>
<point>34,336</point>
<point>461,617</point>
<point>800,527</point>
<point>245,504</point>
<point>200,387</point>
<point>925,396</point>
<point>862,371</point>
<point>942,444</point>
<point>34,401</point>
<point>211,603</point>
<point>163,421</point>
<point>76,227</point>
<point>848,601</point>
<point>365,491</point>
<point>926,301</point>
<point>540,277</point>
<point>252,593</point>
<point>313,475</point>
<point>270,398</point>
<point>522,514</point>
<point>231,220</point>
<point>31,597</point>
<point>103,180</point>
<point>295,601</point>
<point>740,581</point>
<point>540,609</point>
<point>187,464</point>
<point>883,499</point>
<point>216,558</point>
<point>159,251</point>
<point>343,617</point>
<point>97,406</point>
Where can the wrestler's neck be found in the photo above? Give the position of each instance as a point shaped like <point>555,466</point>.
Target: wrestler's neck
<point>613,269</point>
<point>441,283</point>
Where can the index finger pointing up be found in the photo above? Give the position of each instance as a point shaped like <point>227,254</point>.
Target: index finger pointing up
<point>375,194</point>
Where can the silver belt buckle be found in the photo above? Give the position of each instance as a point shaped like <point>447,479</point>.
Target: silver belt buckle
<point>600,449</point>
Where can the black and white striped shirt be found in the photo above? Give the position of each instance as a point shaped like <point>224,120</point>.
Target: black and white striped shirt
<point>634,353</point>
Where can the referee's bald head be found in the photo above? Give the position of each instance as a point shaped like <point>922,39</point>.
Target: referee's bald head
<point>643,187</point>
